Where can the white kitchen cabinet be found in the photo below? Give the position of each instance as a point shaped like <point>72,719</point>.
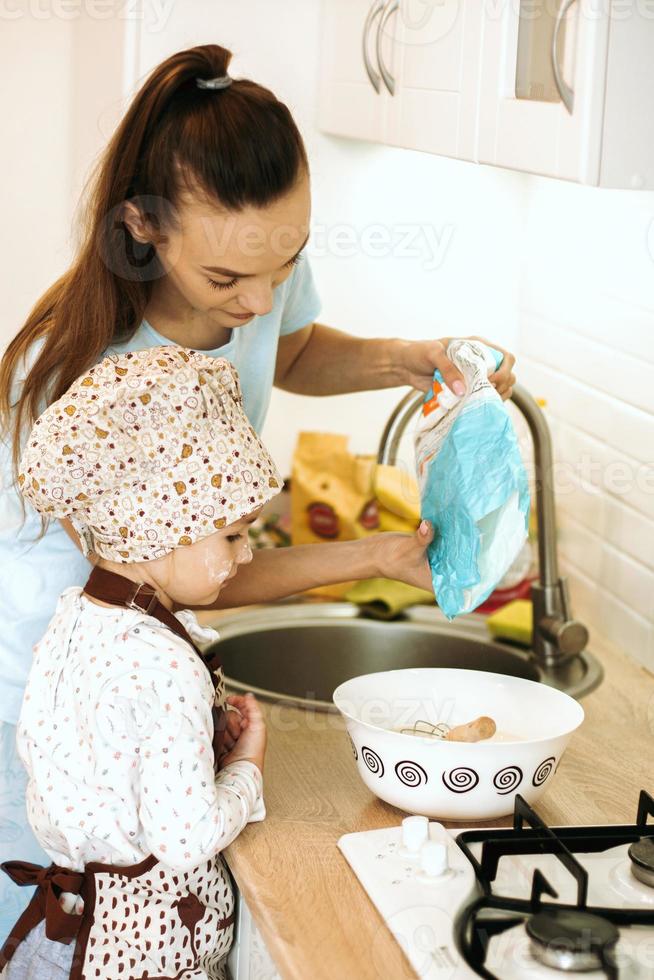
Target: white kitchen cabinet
<point>434,108</point>
<point>594,126</point>
<point>417,90</point>
<point>485,81</point>
<point>353,100</point>
<point>249,958</point>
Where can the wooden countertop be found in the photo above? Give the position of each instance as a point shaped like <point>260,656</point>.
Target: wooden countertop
<point>315,917</point>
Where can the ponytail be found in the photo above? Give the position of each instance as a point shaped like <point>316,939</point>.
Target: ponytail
<point>238,145</point>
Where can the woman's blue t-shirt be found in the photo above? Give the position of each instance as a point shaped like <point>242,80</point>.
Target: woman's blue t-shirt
<point>34,573</point>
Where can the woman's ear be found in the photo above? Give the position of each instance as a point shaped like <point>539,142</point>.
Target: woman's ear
<point>140,229</point>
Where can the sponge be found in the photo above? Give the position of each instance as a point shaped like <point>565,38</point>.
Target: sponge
<point>514,622</point>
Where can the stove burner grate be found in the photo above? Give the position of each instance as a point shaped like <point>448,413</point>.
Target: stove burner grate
<point>584,936</point>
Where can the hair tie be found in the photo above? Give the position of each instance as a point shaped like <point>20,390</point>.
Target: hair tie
<point>214,83</point>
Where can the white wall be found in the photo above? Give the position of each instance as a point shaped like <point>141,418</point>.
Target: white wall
<point>60,99</point>
<point>35,107</point>
<point>586,344</point>
<point>102,71</point>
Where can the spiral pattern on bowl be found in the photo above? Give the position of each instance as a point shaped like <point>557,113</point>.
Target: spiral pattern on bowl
<point>372,760</point>
<point>543,771</point>
<point>353,746</point>
<point>410,773</point>
<point>507,780</point>
<point>460,780</point>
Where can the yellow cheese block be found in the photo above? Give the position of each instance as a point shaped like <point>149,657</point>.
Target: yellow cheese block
<point>397,492</point>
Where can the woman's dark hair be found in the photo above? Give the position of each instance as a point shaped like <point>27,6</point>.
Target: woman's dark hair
<point>238,146</point>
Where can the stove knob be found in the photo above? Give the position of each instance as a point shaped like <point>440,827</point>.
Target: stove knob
<point>437,831</point>
<point>433,859</point>
<point>415,831</point>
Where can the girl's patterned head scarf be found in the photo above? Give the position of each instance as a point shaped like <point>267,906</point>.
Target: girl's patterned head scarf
<point>147,452</point>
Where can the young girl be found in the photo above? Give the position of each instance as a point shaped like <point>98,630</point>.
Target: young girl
<point>194,236</point>
<point>152,459</point>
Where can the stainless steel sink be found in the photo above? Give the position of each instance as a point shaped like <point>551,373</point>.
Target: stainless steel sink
<point>299,653</point>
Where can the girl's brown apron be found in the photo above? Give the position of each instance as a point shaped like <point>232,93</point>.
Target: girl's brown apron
<point>142,920</point>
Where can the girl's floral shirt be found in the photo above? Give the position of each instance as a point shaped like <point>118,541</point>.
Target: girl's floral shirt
<point>115,732</point>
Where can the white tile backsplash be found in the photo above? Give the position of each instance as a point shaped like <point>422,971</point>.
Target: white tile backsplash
<point>618,524</point>
<point>586,345</point>
<point>629,580</point>
<point>614,322</point>
<point>608,616</point>
<point>606,368</point>
<point>595,465</point>
<point>593,410</point>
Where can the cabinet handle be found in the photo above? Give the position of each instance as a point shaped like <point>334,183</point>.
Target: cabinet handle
<point>389,81</point>
<point>375,9</point>
<point>567,94</point>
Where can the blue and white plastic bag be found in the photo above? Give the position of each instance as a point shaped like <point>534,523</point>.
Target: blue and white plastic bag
<point>473,484</point>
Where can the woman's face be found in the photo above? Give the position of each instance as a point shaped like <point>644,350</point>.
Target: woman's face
<point>226,264</point>
<point>195,574</point>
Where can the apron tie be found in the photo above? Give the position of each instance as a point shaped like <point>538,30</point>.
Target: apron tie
<point>50,882</point>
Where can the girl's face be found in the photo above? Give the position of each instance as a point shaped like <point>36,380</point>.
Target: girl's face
<point>195,574</point>
<point>226,265</point>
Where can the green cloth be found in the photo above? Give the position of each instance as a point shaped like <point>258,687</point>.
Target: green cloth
<point>385,598</point>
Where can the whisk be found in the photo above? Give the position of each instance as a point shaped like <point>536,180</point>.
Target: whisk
<point>472,731</point>
<point>426,729</point>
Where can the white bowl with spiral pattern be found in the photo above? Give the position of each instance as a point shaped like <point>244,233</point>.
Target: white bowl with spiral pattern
<point>456,780</point>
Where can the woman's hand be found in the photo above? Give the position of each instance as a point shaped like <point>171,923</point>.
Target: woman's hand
<point>420,358</point>
<point>404,556</point>
<point>245,733</point>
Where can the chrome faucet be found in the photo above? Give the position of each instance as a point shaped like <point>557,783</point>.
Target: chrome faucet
<point>557,637</point>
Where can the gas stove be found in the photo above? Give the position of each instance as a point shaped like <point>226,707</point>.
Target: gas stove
<point>523,903</point>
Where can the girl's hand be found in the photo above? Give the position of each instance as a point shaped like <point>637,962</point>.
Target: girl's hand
<point>403,556</point>
<point>245,734</point>
<point>235,723</point>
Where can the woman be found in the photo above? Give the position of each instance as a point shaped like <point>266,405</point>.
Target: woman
<point>194,235</point>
